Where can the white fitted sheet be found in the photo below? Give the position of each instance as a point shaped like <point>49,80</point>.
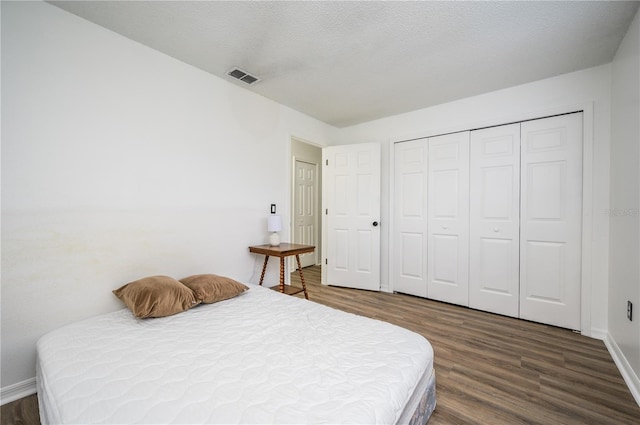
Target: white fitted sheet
<point>262,357</point>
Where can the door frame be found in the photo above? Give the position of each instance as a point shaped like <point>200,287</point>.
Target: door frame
<point>587,273</point>
<point>317,202</point>
<point>290,261</point>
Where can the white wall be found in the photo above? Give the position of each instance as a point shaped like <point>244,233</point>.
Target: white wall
<point>590,87</point>
<point>624,275</point>
<point>120,162</point>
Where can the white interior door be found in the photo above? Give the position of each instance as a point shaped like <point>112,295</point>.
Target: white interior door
<point>351,184</point>
<point>305,201</point>
<point>551,212</point>
<point>494,247</point>
<point>410,217</point>
<point>448,218</point>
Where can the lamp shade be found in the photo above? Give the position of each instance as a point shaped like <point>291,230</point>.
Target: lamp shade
<point>274,223</point>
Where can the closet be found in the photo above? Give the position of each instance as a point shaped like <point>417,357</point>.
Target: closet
<point>491,219</point>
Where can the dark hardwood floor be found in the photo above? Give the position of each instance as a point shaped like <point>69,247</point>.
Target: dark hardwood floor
<point>21,412</point>
<point>490,369</point>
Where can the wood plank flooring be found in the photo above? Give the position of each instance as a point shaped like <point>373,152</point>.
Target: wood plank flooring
<point>490,369</point>
<point>21,412</point>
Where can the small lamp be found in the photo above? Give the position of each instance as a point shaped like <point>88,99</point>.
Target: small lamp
<point>274,225</point>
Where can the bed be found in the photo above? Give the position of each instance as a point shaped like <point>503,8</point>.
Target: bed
<point>261,357</point>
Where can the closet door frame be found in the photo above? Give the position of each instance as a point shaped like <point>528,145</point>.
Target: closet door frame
<point>587,189</point>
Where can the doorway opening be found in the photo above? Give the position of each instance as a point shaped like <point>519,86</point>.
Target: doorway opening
<point>306,201</point>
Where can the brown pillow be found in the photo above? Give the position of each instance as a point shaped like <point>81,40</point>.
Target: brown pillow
<point>210,288</point>
<point>156,296</point>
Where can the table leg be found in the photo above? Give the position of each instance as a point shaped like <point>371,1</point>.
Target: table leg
<point>304,287</point>
<point>282,275</point>
<point>264,268</point>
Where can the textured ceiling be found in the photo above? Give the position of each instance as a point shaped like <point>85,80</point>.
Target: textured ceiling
<point>349,62</point>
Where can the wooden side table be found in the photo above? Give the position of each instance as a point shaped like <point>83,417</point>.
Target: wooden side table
<point>284,250</point>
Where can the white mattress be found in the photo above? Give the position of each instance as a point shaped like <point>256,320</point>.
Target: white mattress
<point>262,357</point>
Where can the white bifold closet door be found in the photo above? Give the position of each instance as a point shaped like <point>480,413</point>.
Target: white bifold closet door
<point>499,228</point>
<point>410,222</point>
<point>494,246</point>
<point>448,218</point>
<point>551,220</point>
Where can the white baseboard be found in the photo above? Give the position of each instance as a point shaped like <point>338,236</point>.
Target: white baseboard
<point>624,367</point>
<point>17,391</point>
<point>598,333</point>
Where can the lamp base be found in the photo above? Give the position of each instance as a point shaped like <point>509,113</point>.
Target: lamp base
<point>274,239</point>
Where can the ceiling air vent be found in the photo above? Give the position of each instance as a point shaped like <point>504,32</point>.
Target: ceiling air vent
<point>243,76</point>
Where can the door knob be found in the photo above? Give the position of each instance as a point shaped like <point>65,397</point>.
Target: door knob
<point>375,224</point>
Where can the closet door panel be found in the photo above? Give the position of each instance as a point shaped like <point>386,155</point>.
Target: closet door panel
<point>448,218</point>
<point>410,218</point>
<point>495,219</point>
<point>551,226</point>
